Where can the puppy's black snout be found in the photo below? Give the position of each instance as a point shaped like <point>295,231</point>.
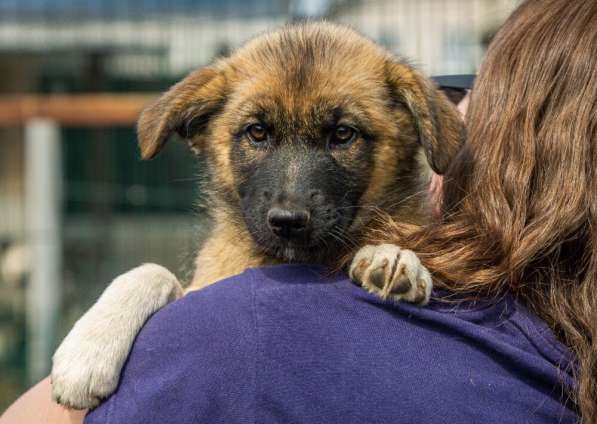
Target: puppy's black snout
<point>288,223</point>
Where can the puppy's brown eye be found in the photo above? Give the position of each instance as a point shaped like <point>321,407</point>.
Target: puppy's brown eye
<point>257,133</point>
<point>343,135</point>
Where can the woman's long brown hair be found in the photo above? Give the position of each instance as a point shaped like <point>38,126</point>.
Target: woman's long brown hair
<point>520,200</point>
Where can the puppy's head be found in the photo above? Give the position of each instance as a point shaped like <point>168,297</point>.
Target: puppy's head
<point>306,129</point>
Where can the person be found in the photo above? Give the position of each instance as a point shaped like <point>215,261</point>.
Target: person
<point>510,335</point>
<point>519,213</point>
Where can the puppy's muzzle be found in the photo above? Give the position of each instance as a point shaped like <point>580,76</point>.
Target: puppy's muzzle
<point>288,223</point>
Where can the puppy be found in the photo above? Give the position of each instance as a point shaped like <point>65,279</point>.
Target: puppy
<point>307,132</point>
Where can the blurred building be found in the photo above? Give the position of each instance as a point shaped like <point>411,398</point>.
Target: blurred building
<point>113,211</point>
<point>438,36</point>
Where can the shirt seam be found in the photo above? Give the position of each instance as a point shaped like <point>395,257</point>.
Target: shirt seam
<point>257,346</point>
<point>557,352</point>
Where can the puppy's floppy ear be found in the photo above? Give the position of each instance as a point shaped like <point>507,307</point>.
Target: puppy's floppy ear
<point>186,109</point>
<point>440,127</point>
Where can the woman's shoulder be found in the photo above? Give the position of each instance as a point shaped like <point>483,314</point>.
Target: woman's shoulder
<point>238,294</point>
<point>292,343</point>
<point>298,304</point>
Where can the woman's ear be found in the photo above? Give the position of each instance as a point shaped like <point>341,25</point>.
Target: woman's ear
<point>186,109</point>
<point>439,125</point>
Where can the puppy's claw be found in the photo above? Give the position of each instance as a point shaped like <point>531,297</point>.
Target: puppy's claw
<point>392,273</point>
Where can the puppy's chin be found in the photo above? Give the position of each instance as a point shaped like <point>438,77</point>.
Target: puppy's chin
<point>289,252</point>
<point>296,253</point>
<point>292,254</point>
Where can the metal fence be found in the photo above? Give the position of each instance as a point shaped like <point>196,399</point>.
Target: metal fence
<point>78,209</point>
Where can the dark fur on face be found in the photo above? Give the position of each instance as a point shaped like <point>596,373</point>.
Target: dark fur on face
<point>307,130</point>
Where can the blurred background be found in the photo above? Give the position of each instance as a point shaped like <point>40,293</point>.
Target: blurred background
<point>77,206</point>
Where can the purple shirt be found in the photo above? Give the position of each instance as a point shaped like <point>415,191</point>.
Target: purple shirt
<point>286,345</point>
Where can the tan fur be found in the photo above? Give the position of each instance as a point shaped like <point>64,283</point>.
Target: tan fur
<point>229,251</point>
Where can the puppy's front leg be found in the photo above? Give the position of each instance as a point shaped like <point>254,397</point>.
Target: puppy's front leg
<point>87,365</point>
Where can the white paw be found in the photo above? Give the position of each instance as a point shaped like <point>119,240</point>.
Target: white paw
<point>86,369</point>
<point>392,273</point>
<point>87,365</point>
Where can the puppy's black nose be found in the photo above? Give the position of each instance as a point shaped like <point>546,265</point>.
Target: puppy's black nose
<point>287,223</point>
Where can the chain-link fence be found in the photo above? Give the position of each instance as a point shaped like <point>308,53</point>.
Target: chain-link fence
<point>84,203</point>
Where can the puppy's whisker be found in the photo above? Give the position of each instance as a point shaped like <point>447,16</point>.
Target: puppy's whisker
<point>342,236</point>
